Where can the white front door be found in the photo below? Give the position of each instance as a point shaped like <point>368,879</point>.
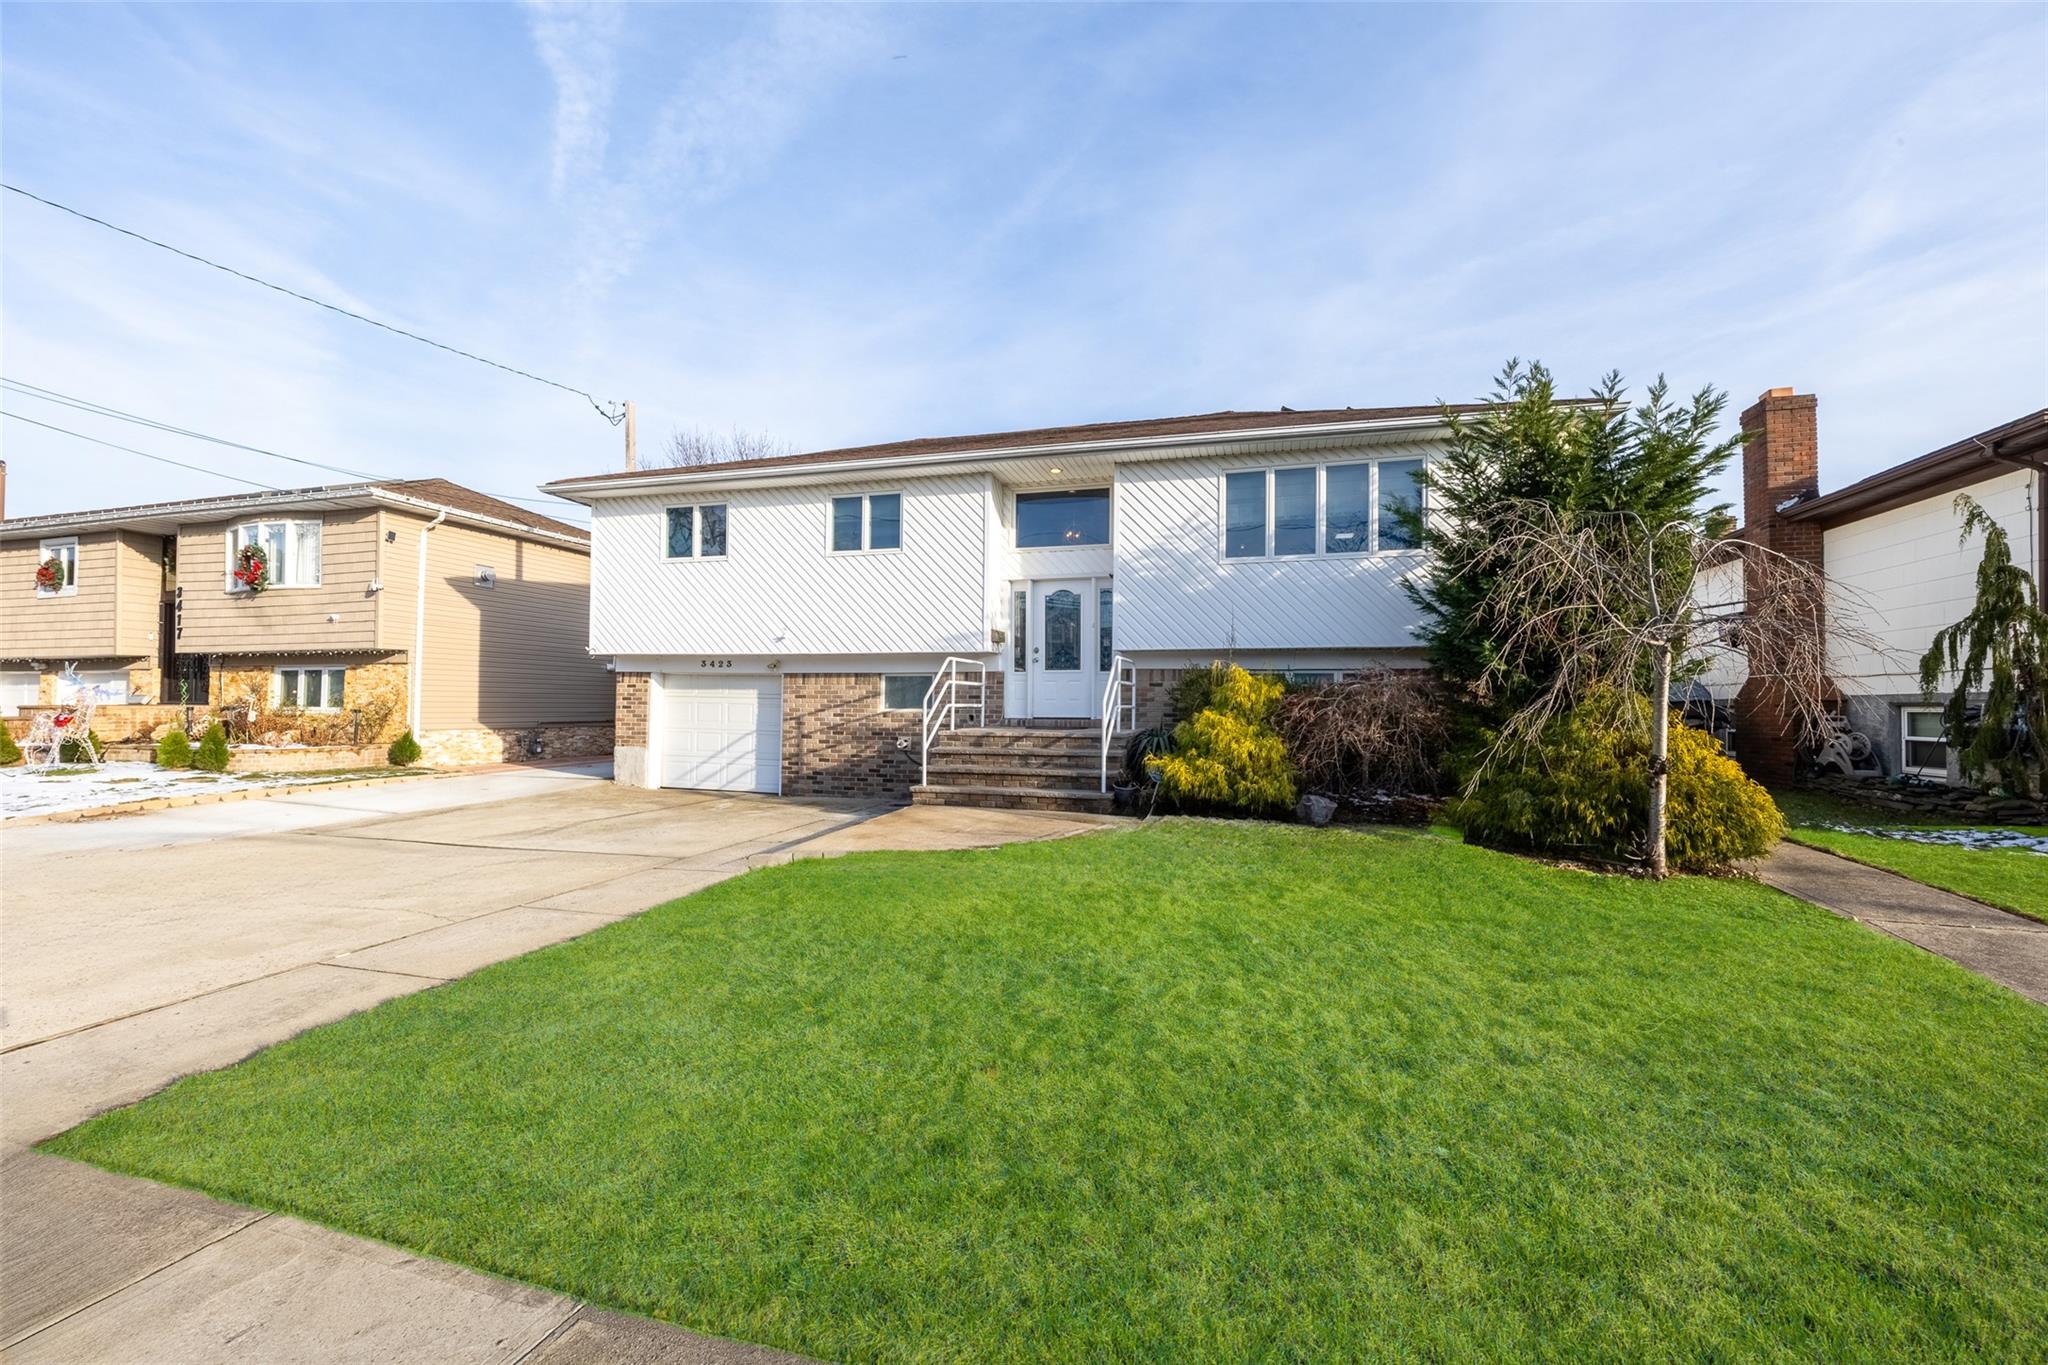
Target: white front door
<point>721,734</point>
<point>1063,648</point>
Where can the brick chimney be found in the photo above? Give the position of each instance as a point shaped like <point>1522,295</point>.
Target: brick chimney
<point>1780,464</point>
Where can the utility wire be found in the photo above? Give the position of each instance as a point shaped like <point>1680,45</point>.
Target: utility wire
<point>610,416</point>
<point>37,391</point>
<point>160,459</point>
<point>100,410</point>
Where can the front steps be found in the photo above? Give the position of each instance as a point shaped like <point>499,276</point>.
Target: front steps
<point>1018,768</point>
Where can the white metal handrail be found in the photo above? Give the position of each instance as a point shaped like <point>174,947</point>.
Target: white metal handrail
<point>1119,706</point>
<point>941,706</point>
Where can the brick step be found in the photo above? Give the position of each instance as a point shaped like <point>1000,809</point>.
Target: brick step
<point>1013,773</point>
<point>1018,741</point>
<point>1014,798</point>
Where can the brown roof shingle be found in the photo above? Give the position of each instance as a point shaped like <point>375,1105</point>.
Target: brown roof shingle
<point>1199,424</point>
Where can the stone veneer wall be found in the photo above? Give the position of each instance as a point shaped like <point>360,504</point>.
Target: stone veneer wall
<point>465,748</point>
<point>374,686</point>
<point>631,696</point>
<point>838,741</point>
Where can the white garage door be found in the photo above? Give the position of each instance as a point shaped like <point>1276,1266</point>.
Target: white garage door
<point>18,689</point>
<point>722,734</point>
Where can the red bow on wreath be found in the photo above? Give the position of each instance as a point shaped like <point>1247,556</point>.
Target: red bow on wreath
<point>50,574</point>
<point>251,571</point>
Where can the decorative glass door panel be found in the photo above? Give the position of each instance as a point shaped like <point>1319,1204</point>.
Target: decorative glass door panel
<point>1063,675</point>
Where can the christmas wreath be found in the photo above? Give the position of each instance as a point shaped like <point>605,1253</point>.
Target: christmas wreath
<point>252,571</point>
<point>50,575</point>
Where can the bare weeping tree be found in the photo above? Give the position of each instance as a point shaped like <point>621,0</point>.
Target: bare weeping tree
<point>689,446</point>
<point>1608,602</point>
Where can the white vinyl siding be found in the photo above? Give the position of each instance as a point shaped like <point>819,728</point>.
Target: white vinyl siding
<point>1177,590</point>
<point>1904,574</point>
<point>721,734</point>
<point>780,590</point>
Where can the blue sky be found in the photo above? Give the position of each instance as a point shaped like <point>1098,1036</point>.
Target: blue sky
<point>837,224</point>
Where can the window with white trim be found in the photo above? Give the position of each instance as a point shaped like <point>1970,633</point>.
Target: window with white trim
<point>867,521</point>
<point>309,689</point>
<point>291,552</point>
<point>1301,511</point>
<point>63,555</point>
<point>905,691</point>
<point>696,532</point>
<point>1923,748</point>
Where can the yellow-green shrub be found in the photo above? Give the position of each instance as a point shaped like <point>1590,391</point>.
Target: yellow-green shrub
<point>1585,792</point>
<point>1228,755</point>
<point>1718,815</point>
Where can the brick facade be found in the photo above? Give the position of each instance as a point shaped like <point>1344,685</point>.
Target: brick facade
<point>1780,462</point>
<point>1155,695</point>
<point>838,741</point>
<point>629,708</point>
<point>462,748</point>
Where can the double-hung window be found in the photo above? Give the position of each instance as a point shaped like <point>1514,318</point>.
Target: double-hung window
<point>62,557</point>
<point>1922,749</point>
<point>1337,509</point>
<point>867,521</point>
<point>290,550</point>
<point>309,689</point>
<point>697,532</point>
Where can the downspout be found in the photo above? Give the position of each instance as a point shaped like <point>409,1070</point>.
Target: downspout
<point>415,676</point>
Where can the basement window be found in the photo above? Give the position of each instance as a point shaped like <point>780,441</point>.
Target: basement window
<point>309,689</point>
<point>1923,747</point>
<point>905,691</point>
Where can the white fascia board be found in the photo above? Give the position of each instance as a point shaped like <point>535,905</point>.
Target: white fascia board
<point>1142,447</point>
<point>751,665</point>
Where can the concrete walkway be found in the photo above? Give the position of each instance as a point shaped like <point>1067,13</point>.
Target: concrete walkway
<point>2009,949</point>
<point>142,949</point>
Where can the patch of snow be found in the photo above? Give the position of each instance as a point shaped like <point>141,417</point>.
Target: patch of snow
<point>37,791</point>
<point>1955,838</point>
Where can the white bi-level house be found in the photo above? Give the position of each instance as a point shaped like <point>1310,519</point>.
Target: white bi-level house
<point>811,624</point>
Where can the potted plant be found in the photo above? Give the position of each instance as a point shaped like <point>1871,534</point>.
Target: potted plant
<point>1137,777</point>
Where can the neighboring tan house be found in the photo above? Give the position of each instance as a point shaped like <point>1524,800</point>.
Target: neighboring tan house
<point>1891,546</point>
<point>416,604</point>
<point>778,624</point>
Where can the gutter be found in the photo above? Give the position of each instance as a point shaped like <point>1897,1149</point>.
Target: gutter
<point>214,509</point>
<point>415,667</point>
<point>584,488</point>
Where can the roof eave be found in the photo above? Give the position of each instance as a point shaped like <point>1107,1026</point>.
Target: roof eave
<point>587,488</point>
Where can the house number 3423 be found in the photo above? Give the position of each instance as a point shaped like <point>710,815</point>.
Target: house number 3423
<point>714,663</point>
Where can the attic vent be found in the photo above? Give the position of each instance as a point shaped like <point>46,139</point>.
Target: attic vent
<point>486,576</point>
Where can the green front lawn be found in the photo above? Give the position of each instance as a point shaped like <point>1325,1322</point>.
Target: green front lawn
<point>2015,879</point>
<point>1194,1092</point>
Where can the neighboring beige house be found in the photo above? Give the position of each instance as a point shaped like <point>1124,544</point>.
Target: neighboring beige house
<point>416,605</point>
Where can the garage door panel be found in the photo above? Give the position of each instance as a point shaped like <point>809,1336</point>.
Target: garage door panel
<point>722,736</point>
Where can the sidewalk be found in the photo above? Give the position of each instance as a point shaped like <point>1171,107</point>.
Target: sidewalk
<point>2008,949</point>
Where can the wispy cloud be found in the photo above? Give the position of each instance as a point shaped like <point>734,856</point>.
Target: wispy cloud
<point>579,43</point>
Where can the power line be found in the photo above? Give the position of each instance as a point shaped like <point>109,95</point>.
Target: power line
<point>101,410</point>
<point>160,459</point>
<point>37,391</point>
<point>613,417</point>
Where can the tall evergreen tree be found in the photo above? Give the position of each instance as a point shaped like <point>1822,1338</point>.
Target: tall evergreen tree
<point>2001,649</point>
<point>1595,457</point>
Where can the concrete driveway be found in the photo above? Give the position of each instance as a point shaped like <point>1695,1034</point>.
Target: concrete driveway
<point>142,949</point>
